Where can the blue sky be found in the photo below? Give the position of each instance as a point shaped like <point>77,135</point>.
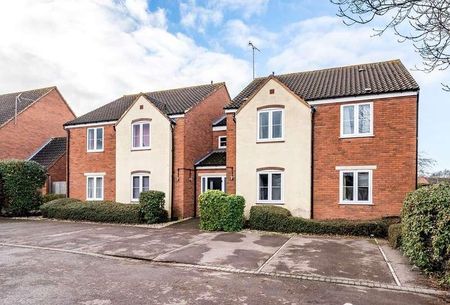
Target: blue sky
<point>98,50</point>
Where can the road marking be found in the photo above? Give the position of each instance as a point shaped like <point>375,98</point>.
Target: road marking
<point>273,255</point>
<point>158,257</point>
<point>397,281</point>
<point>68,233</point>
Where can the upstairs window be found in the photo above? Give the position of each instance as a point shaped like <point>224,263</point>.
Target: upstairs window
<point>357,120</point>
<point>270,124</point>
<point>140,182</point>
<point>222,142</point>
<point>140,135</point>
<point>95,139</point>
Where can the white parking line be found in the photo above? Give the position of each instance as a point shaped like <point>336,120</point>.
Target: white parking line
<point>397,281</point>
<point>273,255</point>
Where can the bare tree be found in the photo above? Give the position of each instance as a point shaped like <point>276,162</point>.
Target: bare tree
<point>428,20</point>
<point>425,164</point>
<point>445,173</point>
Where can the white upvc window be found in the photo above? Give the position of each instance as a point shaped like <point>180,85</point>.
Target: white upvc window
<point>357,120</point>
<point>140,182</point>
<point>270,124</point>
<point>355,186</point>
<point>222,142</point>
<point>94,186</point>
<point>213,182</point>
<point>270,187</point>
<point>140,135</point>
<point>95,139</point>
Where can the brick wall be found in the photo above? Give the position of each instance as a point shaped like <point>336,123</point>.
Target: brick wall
<point>35,126</point>
<point>81,162</point>
<point>57,172</point>
<point>392,150</point>
<point>231,154</point>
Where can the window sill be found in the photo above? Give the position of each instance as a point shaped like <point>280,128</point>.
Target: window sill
<point>270,202</point>
<point>139,149</point>
<point>356,136</point>
<point>270,141</point>
<point>95,151</point>
<point>356,203</point>
<point>94,199</point>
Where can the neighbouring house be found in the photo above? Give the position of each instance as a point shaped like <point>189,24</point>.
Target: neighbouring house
<point>145,141</point>
<point>325,144</point>
<point>425,181</point>
<point>29,121</point>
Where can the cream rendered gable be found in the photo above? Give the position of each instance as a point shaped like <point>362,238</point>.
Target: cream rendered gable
<point>293,154</point>
<point>157,159</point>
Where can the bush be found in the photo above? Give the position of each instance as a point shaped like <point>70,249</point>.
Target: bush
<point>20,183</point>
<point>51,196</point>
<point>278,219</point>
<point>98,211</point>
<point>219,211</point>
<point>151,205</point>
<point>426,230</point>
<point>395,235</point>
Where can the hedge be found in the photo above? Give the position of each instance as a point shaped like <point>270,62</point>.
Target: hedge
<point>20,182</point>
<point>97,211</point>
<point>426,230</point>
<point>151,207</point>
<point>220,211</point>
<point>395,235</point>
<point>278,219</point>
<point>51,196</point>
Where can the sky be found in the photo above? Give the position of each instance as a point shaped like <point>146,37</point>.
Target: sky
<point>95,51</point>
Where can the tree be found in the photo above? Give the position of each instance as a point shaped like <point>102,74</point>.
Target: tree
<point>424,22</point>
<point>441,174</point>
<point>424,164</point>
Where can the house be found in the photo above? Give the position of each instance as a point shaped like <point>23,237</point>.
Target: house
<point>31,120</point>
<point>144,141</point>
<point>325,144</point>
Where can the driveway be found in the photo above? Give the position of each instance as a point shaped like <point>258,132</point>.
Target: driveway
<point>350,262</point>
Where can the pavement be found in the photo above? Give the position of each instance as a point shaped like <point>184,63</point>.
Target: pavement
<point>44,262</point>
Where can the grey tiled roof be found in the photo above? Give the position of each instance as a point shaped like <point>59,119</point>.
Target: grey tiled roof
<point>50,152</point>
<point>222,121</point>
<point>173,101</point>
<point>214,158</point>
<point>24,99</point>
<point>373,78</point>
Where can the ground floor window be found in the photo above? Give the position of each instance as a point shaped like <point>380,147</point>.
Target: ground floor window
<point>270,187</point>
<point>213,183</point>
<point>356,186</point>
<point>59,187</point>
<point>140,182</point>
<point>94,186</point>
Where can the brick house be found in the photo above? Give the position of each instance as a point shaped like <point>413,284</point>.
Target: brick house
<point>332,143</point>
<point>144,141</point>
<point>29,121</point>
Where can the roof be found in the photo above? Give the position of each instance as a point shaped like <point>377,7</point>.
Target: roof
<point>24,99</point>
<point>50,152</point>
<point>214,158</point>
<point>222,121</point>
<point>170,102</point>
<point>356,80</point>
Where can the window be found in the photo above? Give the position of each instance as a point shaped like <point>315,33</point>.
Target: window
<point>95,139</point>
<point>139,183</point>
<point>140,135</point>
<point>356,186</point>
<point>59,187</point>
<point>222,142</point>
<point>357,120</point>
<point>270,124</point>
<point>213,183</point>
<point>270,187</point>
<point>94,187</point>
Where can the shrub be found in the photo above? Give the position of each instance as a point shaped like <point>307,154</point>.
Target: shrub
<point>20,183</point>
<point>426,230</point>
<point>98,211</point>
<point>278,219</point>
<point>152,207</point>
<point>219,211</point>
<point>395,235</point>
<point>51,196</point>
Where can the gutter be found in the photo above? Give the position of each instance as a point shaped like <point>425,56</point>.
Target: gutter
<point>417,138</point>
<point>67,163</point>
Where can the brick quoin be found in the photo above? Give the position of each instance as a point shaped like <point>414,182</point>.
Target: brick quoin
<point>38,123</point>
<point>392,149</point>
<point>231,154</point>
<point>81,162</point>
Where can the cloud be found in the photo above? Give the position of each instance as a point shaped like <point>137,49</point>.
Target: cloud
<point>96,51</point>
<point>237,34</point>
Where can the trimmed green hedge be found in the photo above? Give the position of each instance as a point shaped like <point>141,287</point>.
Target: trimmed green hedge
<point>51,196</point>
<point>278,219</point>
<point>20,182</point>
<point>426,230</point>
<point>97,211</point>
<point>220,211</point>
<point>395,235</point>
<point>152,207</point>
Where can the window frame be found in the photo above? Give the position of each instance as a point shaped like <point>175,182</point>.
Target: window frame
<point>219,144</point>
<point>206,176</point>
<point>95,176</point>
<point>356,133</point>
<point>355,200</point>
<point>269,189</point>
<point>140,175</point>
<point>270,137</point>
<point>141,136</point>
<point>95,139</point>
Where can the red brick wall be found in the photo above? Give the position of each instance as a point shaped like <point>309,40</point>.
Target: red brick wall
<point>35,126</point>
<point>192,140</point>
<point>231,154</point>
<point>80,162</point>
<point>392,150</point>
<point>57,172</point>
<point>216,135</point>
